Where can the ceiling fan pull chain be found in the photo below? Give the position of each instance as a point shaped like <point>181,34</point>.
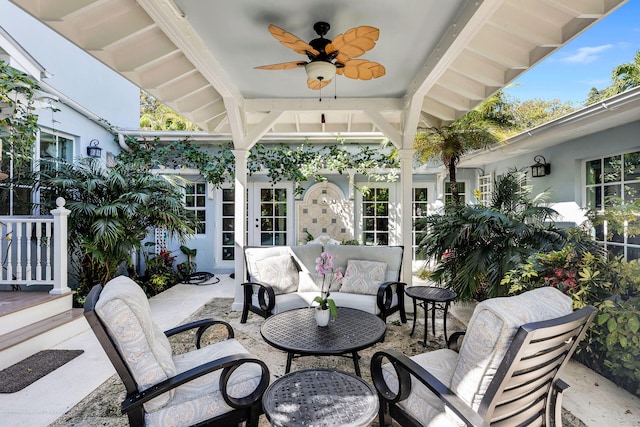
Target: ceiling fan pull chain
<point>320,91</point>
<point>335,90</point>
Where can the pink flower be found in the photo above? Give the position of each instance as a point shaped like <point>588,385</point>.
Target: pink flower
<point>326,268</point>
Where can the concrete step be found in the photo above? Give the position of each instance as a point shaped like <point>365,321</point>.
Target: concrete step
<point>30,339</point>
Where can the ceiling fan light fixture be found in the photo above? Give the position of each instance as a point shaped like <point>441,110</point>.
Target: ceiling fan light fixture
<point>320,70</point>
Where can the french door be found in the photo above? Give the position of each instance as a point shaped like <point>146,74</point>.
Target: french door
<point>270,222</point>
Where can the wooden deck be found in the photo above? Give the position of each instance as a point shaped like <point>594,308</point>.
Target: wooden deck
<point>12,301</point>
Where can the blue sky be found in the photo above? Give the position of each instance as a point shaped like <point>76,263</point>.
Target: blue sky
<point>586,61</point>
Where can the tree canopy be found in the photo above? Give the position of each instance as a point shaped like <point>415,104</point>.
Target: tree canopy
<point>155,115</point>
<point>624,77</point>
<point>480,128</point>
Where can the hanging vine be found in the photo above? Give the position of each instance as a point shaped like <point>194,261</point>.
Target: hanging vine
<point>17,117</point>
<point>281,162</point>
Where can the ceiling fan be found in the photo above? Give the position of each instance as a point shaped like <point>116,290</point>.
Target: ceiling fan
<point>330,57</point>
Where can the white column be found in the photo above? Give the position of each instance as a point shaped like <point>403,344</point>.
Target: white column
<point>406,223</point>
<point>60,246</point>
<point>240,221</point>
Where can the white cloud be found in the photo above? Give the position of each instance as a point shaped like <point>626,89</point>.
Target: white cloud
<point>585,55</point>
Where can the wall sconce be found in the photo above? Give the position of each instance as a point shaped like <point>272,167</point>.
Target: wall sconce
<point>93,150</point>
<point>541,168</point>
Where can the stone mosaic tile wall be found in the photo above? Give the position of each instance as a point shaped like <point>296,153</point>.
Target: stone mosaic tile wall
<point>324,211</point>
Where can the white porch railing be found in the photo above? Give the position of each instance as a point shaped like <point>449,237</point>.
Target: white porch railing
<point>33,250</point>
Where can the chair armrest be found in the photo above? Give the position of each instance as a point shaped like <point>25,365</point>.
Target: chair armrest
<point>556,400</point>
<point>405,369</point>
<point>228,365</point>
<point>202,326</point>
<point>385,294</point>
<point>264,289</point>
<point>453,343</point>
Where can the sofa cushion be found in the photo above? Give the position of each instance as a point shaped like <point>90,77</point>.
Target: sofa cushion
<point>491,329</point>
<point>363,276</point>
<point>253,254</point>
<point>124,309</point>
<point>285,302</point>
<point>305,256</point>
<point>356,301</point>
<point>392,255</point>
<point>280,272</point>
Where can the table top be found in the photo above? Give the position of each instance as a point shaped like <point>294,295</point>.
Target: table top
<point>430,293</point>
<point>320,397</point>
<point>297,331</point>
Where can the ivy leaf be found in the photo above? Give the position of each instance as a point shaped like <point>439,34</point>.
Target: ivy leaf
<point>623,341</point>
<point>612,325</point>
<point>611,340</point>
<point>634,324</point>
<point>602,318</point>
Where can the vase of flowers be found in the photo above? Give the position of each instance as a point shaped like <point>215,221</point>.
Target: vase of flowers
<point>326,306</point>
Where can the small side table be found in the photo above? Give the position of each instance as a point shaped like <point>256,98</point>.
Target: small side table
<point>439,298</point>
<point>320,397</point>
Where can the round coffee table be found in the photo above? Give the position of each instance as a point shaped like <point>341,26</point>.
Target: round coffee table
<point>320,397</point>
<point>297,333</point>
<point>439,298</point>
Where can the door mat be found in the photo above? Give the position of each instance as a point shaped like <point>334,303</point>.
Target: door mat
<point>26,372</point>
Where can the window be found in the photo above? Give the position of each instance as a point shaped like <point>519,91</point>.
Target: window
<point>607,181</point>
<point>17,194</point>
<point>195,197</point>
<point>375,216</point>
<point>228,221</point>
<point>420,209</point>
<point>485,187</point>
<point>462,192</point>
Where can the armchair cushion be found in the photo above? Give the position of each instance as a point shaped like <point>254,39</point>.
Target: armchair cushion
<point>201,398</point>
<point>279,272</point>
<point>422,403</point>
<point>124,310</point>
<point>491,329</point>
<point>363,277</point>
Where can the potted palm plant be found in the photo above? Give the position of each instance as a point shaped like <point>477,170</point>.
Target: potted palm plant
<point>474,246</point>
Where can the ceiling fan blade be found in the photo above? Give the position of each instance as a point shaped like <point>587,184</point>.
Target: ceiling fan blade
<point>282,66</point>
<point>362,69</point>
<point>317,84</point>
<point>354,42</point>
<point>291,41</point>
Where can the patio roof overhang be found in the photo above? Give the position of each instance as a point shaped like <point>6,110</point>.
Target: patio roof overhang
<point>197,56</point>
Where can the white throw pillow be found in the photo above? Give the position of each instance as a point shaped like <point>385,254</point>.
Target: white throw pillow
<point>363,277</point>
<point>278,271</point>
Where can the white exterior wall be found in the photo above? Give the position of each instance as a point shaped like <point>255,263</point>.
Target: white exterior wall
<point>566,180</point>
<point>73,72</point>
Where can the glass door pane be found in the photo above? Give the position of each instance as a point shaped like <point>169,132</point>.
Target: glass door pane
<point>271,221</point>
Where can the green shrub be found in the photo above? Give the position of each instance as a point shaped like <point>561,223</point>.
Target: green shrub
<point>615,342</point>
<point>612,344</point>
<point>472,247</point>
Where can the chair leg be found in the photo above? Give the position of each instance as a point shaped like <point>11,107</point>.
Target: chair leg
<point>403,312</point>
<point>254,415</point>
<point>246,303</point>
<point>384,417</point>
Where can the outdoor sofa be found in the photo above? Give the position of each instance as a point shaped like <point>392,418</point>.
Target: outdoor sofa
<point>282,278</point>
